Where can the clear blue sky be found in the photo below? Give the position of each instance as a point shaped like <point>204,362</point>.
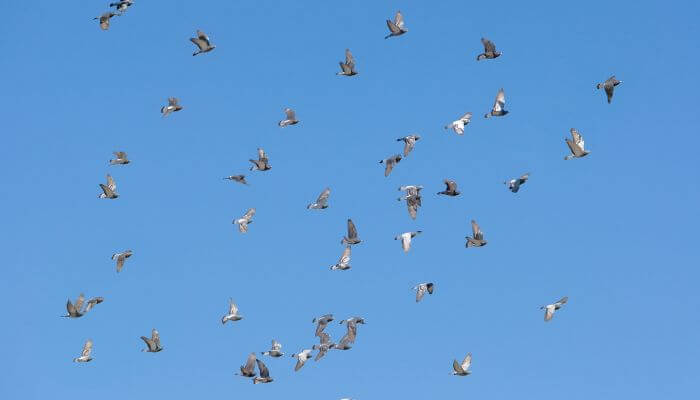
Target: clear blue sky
<point>615,231</point>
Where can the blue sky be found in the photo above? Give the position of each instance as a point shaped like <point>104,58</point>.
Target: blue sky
<point>614,231</point>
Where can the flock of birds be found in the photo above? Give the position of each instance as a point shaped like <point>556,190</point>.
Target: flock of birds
<point>412,197</point>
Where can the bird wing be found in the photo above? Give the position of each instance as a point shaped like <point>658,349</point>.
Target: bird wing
<point>408,146</point>
<point>412,205</point>
<point>264,372</point>
<point>466,117</point>
<point>323,197</point>
<point>524,177</point>
<point>87,348</point>
<point>500,102</point>
<point>299,364</point>
<point>429,286</point>
<point>291,115</point>
<point>120,262</point>
<point>120,154</point>
<point>489,47</point>
<point>420,292</point>
<point>261,154</point>
<point>578,139</point>
<point>232,307</point>
<point>172,101</point>
<point>352,231</point>
<point>609,89</point>
<point>467,362</point>
<point>79,302</point>
<point>201,44</point>
<point>562,301</point>
<point>155,337</point>
<point>91,303</point>
<point>324,338</point>
<point>392,26</point>
<point>276,345</point>
<point>398,20</point>
<point>345,258</point>
<point>250,363</point>
<point>456,367</point>
<point>203,37</point>
<point>476,231</point>
<point>349,59</point>
<point>70,308</point>
<point>110,183</point>
<point>548,312</point>
<point>451,185</point>
<point>389,166</point>
<point>149,343</point>
<point>249,214</point>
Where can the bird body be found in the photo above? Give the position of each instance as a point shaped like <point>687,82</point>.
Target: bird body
<point>109,191</point>
<point>121,257</point>
<point>489,50</point>
<point>514,184</point>
<point>122,5</point>
<point>458,125</point>
<point>576,145</point>
<point>477,238</point>
<point>173,106</point>
<point>262,163</point>
<point>609,87</point>
<point>413,198</point>
<point>389,163</point>
<point>498,109</point>
<point>232,313</point>
<point>463,368</point>
<point>120,158</point>
<point>202,42</point>
<point>275,350</point>
<point>450,189</point>
<point>409,143</point>
<point>406,239</point>
<point>423,288</point>
<point>104,20</point>
<point>347,68</point>
<point>237,178</point>
<point>264,373</point>
<point>290,118</point>
<point>549,309</point>
<point>301,357</point>
<point>323,347</point>
<point>396,27</point>
<point>152,343</point>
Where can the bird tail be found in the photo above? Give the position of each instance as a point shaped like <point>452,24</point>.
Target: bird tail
<point>598,86</point>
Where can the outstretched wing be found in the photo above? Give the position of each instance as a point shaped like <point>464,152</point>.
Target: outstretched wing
<point>110,183</point>
<point>349,59</point>
<point>261,154</point>
<point>250,363</point>
<point>203,37</point>
<point>352,231</point>
<point>420,292</point>
<point>91,303</point>
<point>451,185</point>
<point>476,231</point>
<point>398,20</point>
<point>345,258</point>
<point>232,307</point>
<point>323,197</point>
<point>120,154</point>
<point>500,102</point>
<point>467,362</point>
<point>155,337</point>
<point>466,117</point>
<point>172,101</point>
<point>578,139</point>
<point>562,301</point>
<point>264,372</point>
<point>489,47</point>
<point>456,367</point>
<point>249,214</point>
<point>87,348</point>
<point>276,345</point>
<point>79,302</point>
<point>291,115</point>
<point>201,44</point>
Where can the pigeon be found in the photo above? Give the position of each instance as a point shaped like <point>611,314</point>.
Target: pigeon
<point>248,370</point>
<point>462,369</point>
<point>576,146</point>
<point>121,158</point>
<point>321,322</point>
<point>477,240</point>
<point>202,42</point>
<point>451,188</point>
<point>121,257</point>
<point>389,163</point>
<point>246,219</point>
<point>301,357</point>
<point>421,288</point>
<point>85,354</point>
<point>275,350</point>
<point>264,374</point>
<point>489,50</point>
<point>153,343</point>
<point>122,5</point>
<point>262,163</point>
<point>349,338</point>
<point>104,20</point>
<point>109,191</point>
<point>76,311</point>
<point>344,261</point>
<point>551,308</point>
<point>172,106</point>
<point>609,86</point>
<point>321,202</point>
<point>232,313</point>
<point>351,238</point>
<point>396,27</point>
<point>459,124</point>
<point>347,68</point>
<point>406,239</point>
<point>323,347</point>
<point>237,178</point>
<point>409,143</point>
<point>413,198</point>
<point>291,118</point>
<point>514,184</point>
<point>498,109</point>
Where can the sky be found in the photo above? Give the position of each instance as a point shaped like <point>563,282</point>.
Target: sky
<point>615,231</point>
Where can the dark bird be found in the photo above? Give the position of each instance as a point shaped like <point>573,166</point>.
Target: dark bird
<point>450,189</point>
<point>351,238</point>
<point>489,50</point>
<point>237,178</point>
<point>262,163</point>
<point>76,310</point>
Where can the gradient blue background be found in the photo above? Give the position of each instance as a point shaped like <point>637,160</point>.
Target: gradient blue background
<point>615,231</point>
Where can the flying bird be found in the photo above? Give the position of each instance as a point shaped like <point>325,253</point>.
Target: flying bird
<point>351,238</point>
<point>301,357</point>
<point>248,370</point>
<point>104,20</point>
<point>76,310</point>
<point>396,27</point>
<point>323,347</point>
<point>489,50</point>
<point>85,354</point>
<point>290,119</point>
<point>109,191</point>
<point>322,322</point>
<point>344,261</point>
<point>498,109</point>
<point>246,219</point>
<point>232,313</point>
<point>237,178</point>
<point>347,68</point>
<point>321,202</point>
<point>153,344</point>
<point>549,309</point>
<point>422,288</point>
<point>459,124</point>
<point>477,238</point>
<point>514,184</point>
<point>202,42</point>
<point>406,239</point>
<point>262,163</point>
<point>172,106</point>
<point>462,369</point>
<point>576,146</point>
<point>450,189</point>
<point>409,143</point>
<point>121,257</point>
<point>264,374</point>
<point>413,198</point>
<point>275,350</point>
<point>389,163</point>
<point>122,5</point>
<point>609,86</point>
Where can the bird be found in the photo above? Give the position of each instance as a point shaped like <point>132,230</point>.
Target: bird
<point>321,202</point>
<point>262,163</point>
<point>409,143</point>
<point>275,350</point>
<point>104,20</point>
<point>450,189</point>
<point>232,313</point>
<point>413,198</point>
<point>422,288</point>
<point>459,124</point>
<point>264,374</point>
<point>462,369</point>
<point>322,322</point>
<point>122,5</point>
<point>323,347</point>
<point>237,178</point>
<point>153,344</point>
<point>390,162</point>
<point>85,354</point>
<point>246,219</point>
<point>120,158</point>
<point>576,146</point>
<point>121,257</point>
<point>347,340</point>
<point>406,239</point>
<point>549,309</point>
<point>172,106</point>
<point>301,357</point>
<point>344,261</point>
<point>351,238</point>
<point>489,50</point>
<point>396,27</point>
<point>76,311</point>
<point>609,86</point>
<point>498,109</point>
<point>477,240</point>
<point>202,42</point>
<point>248,370</point>
<point>109,191</point>
<point>514,184</point>
<point>347,68</point>
<point>291,118</point>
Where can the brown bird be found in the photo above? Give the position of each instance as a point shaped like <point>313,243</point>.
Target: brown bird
<point>489,50</point>
<point>351,238</point>
<point>104,20</point>
<point>390,162</point>
<point>76,311</point>
<point>262,163</point>
<point>609,86</point>
<point>576,146</point>
<point>153,343</point>
<point>202,42</point>
<point>477,240</point>
<point>451,188</point>
<point>347,68</point>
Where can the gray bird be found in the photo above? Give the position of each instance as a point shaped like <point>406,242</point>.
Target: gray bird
<point>459,124</point>
<point>351,238</point>
<point>422,288</point>
<point>390,162</point>
<point>498,109</point>
<point>264,374</point>
<point>202,42</point>
<point>85,354</point>
<point>409,143</point>
<point>246,219</point>
<point>301,357</point>
<point>406,239</point>
<point>104,20</point>
<point>463,368</point>
<point>576,145</point>
<point>153,344</point>
<point>396,27</point>
<point>514,184</point>
<point>347,68</point>
<point>321,202</point>
<point>172,106</point>
<point>248,370</point>
<point>290,119</point>
<point>609,86</point>
<point>232,313</point>
<point>322,322</point>
<point>109,191</point>
<point>413,198</point>
<point>323,347</point>
<point>477,240</point>
<point>549,309</point>
<point>450,189</point>
<point>346,341</point>
<point>120,158</point>
<point>489,50</point>
<point>237,178</point>
<point>353,321</point>
<point>122,5</point>
<point>344,261</point>
<point>262,163</point>
<point>275,350</point>
<point>121,257</point>
<point>76,310</point>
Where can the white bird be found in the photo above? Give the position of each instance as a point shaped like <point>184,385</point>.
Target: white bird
<point>549,309</point>
<point>321,202</point>
<point>109,191</point>
<point>172,106</point>
<point>499,105</point>
<point>301,357</point>
<point>232,313</point>
<point>576,145</point>
<point>406,239</point>
<point>462,369</point>
<point>396,27</point>
<point>275,350</point>
<point>344,261</point>
<point>290,119</point>
<point>246,219</point>
<point>121,257</point>
<point>85,354</point>
<point>422,288</point>
<point>202,42</point>
<point>153,344</point>
<point>459,124</point>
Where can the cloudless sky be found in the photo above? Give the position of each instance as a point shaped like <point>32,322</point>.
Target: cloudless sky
<point>615,231</point>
